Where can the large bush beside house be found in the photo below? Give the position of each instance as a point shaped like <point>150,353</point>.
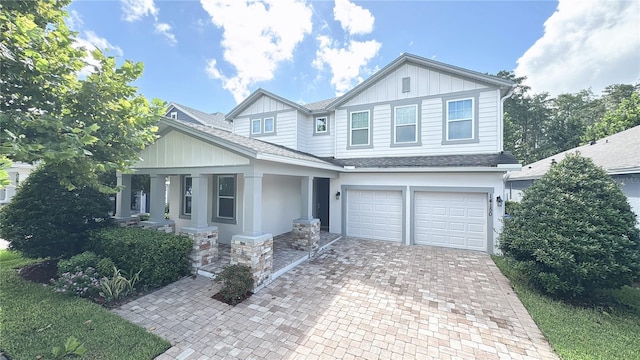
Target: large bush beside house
<point>574,232</point>
<point>45,219</point>
<point>163,258</point>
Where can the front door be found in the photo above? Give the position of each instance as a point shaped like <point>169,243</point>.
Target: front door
<point>321,197</point>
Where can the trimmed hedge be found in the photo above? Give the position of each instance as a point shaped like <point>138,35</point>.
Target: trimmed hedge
<point>163,258</point>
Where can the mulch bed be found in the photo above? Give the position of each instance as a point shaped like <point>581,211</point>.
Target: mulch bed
<point>41,273</point>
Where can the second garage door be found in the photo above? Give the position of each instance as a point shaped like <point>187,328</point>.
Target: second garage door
<point>455,219</point>
<point>374,214</point>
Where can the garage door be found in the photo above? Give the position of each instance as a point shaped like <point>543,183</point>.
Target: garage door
<point>457,220</point>
<point>374,214</point>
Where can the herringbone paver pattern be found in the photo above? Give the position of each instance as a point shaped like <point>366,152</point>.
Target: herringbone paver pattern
<point>360,299</point>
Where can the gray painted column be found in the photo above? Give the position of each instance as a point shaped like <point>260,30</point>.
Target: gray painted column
<point>157,193</point>
<point>123,198</point>
<point>253,204</point>
<point>306,195</point>
<point>200,201</point>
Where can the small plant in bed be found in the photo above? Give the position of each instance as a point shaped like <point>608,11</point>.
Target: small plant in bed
<point>237,283</point>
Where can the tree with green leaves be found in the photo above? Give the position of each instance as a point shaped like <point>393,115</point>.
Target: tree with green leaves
<point>81,128</point>
<point>574,232</point>
<point>572,114</point>
<point>625,116</point>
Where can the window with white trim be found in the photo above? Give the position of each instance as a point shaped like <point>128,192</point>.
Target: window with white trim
<point>460,120</point>
<point>174,115</point>
<point>269,125</point>
<point>226,197</point>
<point>322,125</point>
<point>256,126</point>
<point>360,127</point>
<point>406,124</point>
<point>187,195</point>
<point>3,194</point>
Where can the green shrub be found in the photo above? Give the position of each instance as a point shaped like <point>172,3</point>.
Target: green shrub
<point>45,219</point>
<point>78,262</point>
<point>574,232</point>
<point>162,257</point>
<point>237,281</point>
<point>105,267</point>
<point>82,283</point>
<point>118,286</point>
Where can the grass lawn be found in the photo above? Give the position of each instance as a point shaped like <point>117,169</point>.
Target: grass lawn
<point>34,319</point>
<point>584,333</point>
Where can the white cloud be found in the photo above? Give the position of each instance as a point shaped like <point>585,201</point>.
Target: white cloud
<point>165,29</point>
<point>348,61</point>
<point>257,37</point>
<point>134,10</point>
<point>354,19</point>
<point>585,44</point>
<point>74,20</point>
<point>90,41</point>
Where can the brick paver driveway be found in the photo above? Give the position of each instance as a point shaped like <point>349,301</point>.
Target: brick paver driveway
<point>359,299</point>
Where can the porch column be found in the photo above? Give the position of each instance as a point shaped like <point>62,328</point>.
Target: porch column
<point>157,203</point>
<point>200,201</point>
<point>253,204</point>
<point>123,198</point>
<point>306,195</point>
<point>205,237</point>
<point>306,230</point>
<point>253,248</point>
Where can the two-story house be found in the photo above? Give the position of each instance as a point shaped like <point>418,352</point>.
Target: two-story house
<point>414,154</point>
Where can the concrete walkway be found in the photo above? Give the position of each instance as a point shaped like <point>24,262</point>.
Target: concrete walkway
<point>360,299</point>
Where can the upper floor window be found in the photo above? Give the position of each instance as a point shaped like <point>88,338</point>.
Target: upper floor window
<point>322,125</point>
<point>187,195</point>
<point>3,194</point>
<point>360,128</point>
<point>406,124</point>
<point>256,126</point>
<point>459,121</point>
<point>174,115</point>
<point>269,125</point>
<point>226,198</point>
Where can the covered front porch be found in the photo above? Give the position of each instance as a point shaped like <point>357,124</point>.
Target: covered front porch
<point>231,197</point>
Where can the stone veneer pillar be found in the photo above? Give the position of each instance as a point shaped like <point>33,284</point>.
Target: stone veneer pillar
<point>306,235</point>
<point>205,245</point>
<point>167,226</point>
<point>255,252</point>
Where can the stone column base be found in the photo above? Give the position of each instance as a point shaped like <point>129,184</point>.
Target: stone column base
<point>306,235</point>
<point>167,226</point>
<point>205,245</point>
<point>130,221</point>
<point>255,252</point>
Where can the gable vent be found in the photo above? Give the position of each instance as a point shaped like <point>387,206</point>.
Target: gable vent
<point>406,84</point>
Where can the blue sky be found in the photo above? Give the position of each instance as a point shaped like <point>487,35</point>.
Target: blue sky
<point>211,54</point>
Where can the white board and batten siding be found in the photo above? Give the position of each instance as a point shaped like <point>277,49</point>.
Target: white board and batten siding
<point>177,149</point>
<point>319,145</point>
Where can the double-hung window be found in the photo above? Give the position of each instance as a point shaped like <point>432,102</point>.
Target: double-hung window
<point>460,121</point>
<point>360,128</point>
<point>406,124</point>
<point>226,197</point>
<point>256,126</point>
<point>269,125</point>
<point>187,195</point>
<point>322,125</point>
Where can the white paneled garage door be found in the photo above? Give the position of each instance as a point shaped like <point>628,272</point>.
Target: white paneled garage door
<point>374,214</point>
<point>451,219</point>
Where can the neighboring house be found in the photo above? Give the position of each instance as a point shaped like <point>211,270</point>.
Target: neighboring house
<point>618,154</point>
<point>190,115</point>
<point>414,155</point>
<point>18,172</point>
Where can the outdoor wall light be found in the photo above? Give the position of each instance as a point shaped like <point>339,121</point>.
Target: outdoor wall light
<point>338,195</point>
<point>499,201</point>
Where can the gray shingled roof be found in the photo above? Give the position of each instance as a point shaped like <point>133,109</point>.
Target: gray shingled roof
<point>251,144</point>
<point>217,119</point>
<point>319,105</point>
<point>483,160</point>
<point>617,154</point>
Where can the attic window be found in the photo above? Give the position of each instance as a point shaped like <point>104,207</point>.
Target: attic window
<point>174,115</point>
<point>406,84</point>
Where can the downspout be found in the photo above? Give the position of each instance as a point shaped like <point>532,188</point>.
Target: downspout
<point>501,130</point>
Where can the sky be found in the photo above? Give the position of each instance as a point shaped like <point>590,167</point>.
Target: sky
<point>212,54</point>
